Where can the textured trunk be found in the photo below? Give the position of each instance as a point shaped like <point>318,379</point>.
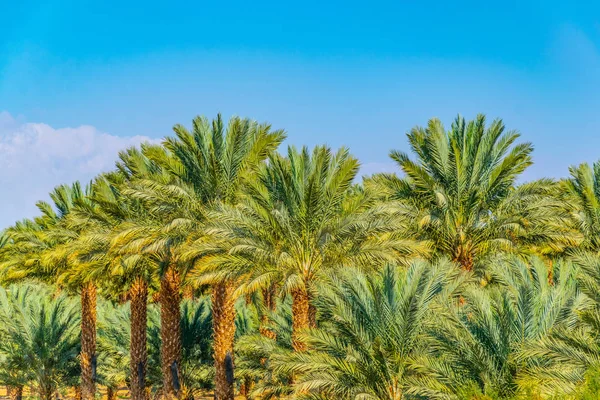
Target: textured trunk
<point>246,387</point>
<point>268,295</point>
<point>188,293</point>
<point>223,305</point>
<point>170,332</point>
<point>78,393</point>
<point>312,312</point>
<point>111,393</point>
<point>88,341</point>
<point>300,317</point>
<point>15,392</point>
<point>139,353</point>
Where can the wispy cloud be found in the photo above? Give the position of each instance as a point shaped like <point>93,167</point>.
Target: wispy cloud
<point>35,157</point>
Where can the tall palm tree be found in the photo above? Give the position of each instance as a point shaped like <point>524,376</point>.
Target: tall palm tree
<point>302,219</point>
<point>39,337</point>
<point>461,192</point>
<point>41,250</point>
<point>374,339</point>
<point>174,211</point>
<point>122,275</point>
<point>482,344</point>
<point>216,161</point>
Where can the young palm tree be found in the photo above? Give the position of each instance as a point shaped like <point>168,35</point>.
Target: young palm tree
<point>255,350</point>
<point>114,337</point>
<point>482,343</point>
<point>374,339</point>
<point>461,194</point>
<point>216,161</point>
<point>39,337</point>
<point>302,220</point>
<point>573,351</point>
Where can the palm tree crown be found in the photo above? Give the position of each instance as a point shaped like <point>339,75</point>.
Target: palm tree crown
<point>461,192</point>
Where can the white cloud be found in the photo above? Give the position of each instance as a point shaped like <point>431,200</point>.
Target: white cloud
<point>35,157</point>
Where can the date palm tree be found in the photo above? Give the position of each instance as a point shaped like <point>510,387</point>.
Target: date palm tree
<point>374,340</point>
<point>302,220</point>
<point>216,161</point>
<point>582,193</point>
<point>39,337</point>
<point>40,249</point>
<point>122,275</point>
<point>484,344</point>
<point>461,193</point>
<point>156,238</point>
<point>572,352</point>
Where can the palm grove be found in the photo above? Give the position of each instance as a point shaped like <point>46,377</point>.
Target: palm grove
<point>214,263</point>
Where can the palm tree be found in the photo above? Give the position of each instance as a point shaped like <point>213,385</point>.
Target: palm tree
<point>122,275</point>
<point>173,208</point>
<point>483,343</point>
<point>582,192</point>
<point>41,250</point>
<point>39,337</point>
<point>216,161</point>
<point>302,220</point>
<point>254,350</point>
<point>573,351</point>
<point>461,194</point>
<point>114,337</point>
<point>374,339</point>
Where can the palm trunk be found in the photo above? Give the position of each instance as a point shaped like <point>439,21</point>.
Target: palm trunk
<point>268,295</point>
<point>78,394</point>
<point>300,317</point>
<point>111,393</point>
<point>170,331</point>
<point>88,341</point>
<point>312,313</point>
<point>139,352</point>
<point>15,392</point>
<point>246,387</point>
<point>188,293</point>
<point>223,307</point>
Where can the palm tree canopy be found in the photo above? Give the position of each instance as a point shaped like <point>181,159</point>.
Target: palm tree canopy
<point>373,339</point>
<point>461,192</point>
<point>582,191</point>
<point>483,341</point>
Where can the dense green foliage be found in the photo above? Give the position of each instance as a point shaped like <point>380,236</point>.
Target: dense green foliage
<point>223,265</point>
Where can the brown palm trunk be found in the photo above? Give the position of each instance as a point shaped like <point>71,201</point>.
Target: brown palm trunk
<point>88,341</point>
<point>111,393</point>
<point>15,392</point>
<point>77,390</point>
<point>268,295</point>
<point>300,317</point>
<point>246,387</point>
<point>170,331</point>
<point>188,293</point>
<point>223,307</point>
<point>139,352</point>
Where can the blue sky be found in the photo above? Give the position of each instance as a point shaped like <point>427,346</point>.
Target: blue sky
<point>79,80</point>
